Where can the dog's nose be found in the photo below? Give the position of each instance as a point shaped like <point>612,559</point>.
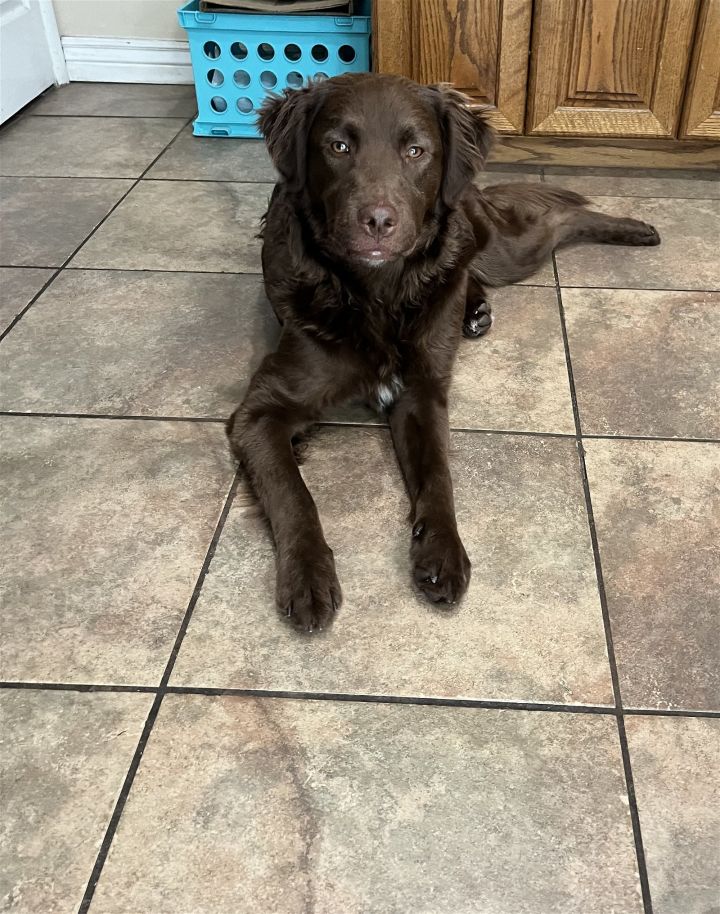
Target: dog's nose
<point>378,221</point>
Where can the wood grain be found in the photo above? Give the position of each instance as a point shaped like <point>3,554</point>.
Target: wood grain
<point>597,71</point>
<point>481,46</point>
<point>609,67</point>
<point>701,115</point>
<point>392,48</point>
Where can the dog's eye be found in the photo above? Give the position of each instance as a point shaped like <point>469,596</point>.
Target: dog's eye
<point>339,148</point>
<point>414,152</point>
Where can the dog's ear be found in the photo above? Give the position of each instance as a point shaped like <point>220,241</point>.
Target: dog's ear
<point>467,138</point>
<point>285,121</point>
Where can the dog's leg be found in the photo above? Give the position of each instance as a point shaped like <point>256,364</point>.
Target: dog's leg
<point>286,395</point>
<point>420,431</point>
<point>580,224</point>
<point>478,313</point>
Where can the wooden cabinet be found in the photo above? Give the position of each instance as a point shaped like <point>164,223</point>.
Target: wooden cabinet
<point>480,46</point>
<point>582,68</point>
<point>701,117</point>
<point>609,67</point>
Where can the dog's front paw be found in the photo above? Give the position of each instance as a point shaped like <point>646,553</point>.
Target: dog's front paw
<point>441,568</point>
<point>308,591</point>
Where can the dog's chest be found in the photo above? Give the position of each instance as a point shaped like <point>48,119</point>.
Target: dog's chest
<point>385,332</point>
<point>387,392</point>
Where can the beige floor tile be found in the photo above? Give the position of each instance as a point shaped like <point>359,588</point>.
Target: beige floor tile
<point>620,182</point>
<point>18,285</point>
<point>215,159</point>
<point>646,363</point>
<point>114,147</point>
<point>686,259</point>
<point>118,100</point>
<point>244,805</point>
<point>137,343</point>
<point>675,766</point>
<point>64,760</point>
<point>43,220</point>
<point>516,376</point>
<point>170,225</point>
<point>106,527</point>
<point>657,511</point>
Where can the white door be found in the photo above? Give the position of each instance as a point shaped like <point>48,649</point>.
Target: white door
<point>30,53</point>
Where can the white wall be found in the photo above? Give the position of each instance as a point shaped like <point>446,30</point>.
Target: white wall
<point>119,18</point>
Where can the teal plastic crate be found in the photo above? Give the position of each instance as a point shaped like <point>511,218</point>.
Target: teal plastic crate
<point>238,58</point>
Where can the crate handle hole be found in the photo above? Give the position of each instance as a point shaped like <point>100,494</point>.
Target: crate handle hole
<point>218,103</point>
<point>292,52</point>
<point>266,51</point>
<point>244,105</point>
<point>215,77</point>
<point>238,50</point>
<point>294,79</point>
<point>268,80</point>
<point>211,49</point>
<point>346,53</point>
<point>241,78</point>
<point>319,53</point>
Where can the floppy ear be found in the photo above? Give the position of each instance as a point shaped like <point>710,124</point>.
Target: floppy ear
<point>285,121</point>
<point>467,138</point>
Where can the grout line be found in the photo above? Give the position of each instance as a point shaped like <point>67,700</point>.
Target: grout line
<point>108,416</point>
<point>25,266</point>
<point>418,700</point>
<point>638,196</point>
<point>84,177</point>
<point>612,661</point>
<point>524,285</point>
<point>58,270</point>
<point>155,708</point>
<point>587,437</point>
<point>337,423</point>
<point>75,687</point>
<point>670,712</point>
<point>270,182</point>
<point>564,287</point>
<point>634,815</point>
<point>508,704</point>
<point>64,268</point>
<point>129,117</point>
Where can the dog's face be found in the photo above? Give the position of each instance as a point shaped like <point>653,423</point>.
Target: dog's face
<point>377,158</point>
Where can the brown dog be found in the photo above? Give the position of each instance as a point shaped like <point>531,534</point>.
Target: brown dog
<point>377,249</point>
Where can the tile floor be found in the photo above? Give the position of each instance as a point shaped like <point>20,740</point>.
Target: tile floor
<point>169,746</point>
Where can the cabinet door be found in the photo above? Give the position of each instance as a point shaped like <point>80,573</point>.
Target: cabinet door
<point>610,67</point>
<point>701,117</point>
<point>481,46</point>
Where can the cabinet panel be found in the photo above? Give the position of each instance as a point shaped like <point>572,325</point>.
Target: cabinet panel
<point>609,67</point>
<point>481,46</point>
<point>701,117</point>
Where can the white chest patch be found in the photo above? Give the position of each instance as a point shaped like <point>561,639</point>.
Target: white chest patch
<point>387,393</point>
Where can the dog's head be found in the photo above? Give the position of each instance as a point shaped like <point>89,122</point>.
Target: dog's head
<point>377,158</point>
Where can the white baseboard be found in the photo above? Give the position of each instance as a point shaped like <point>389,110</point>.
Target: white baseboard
<point>127,60</point>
